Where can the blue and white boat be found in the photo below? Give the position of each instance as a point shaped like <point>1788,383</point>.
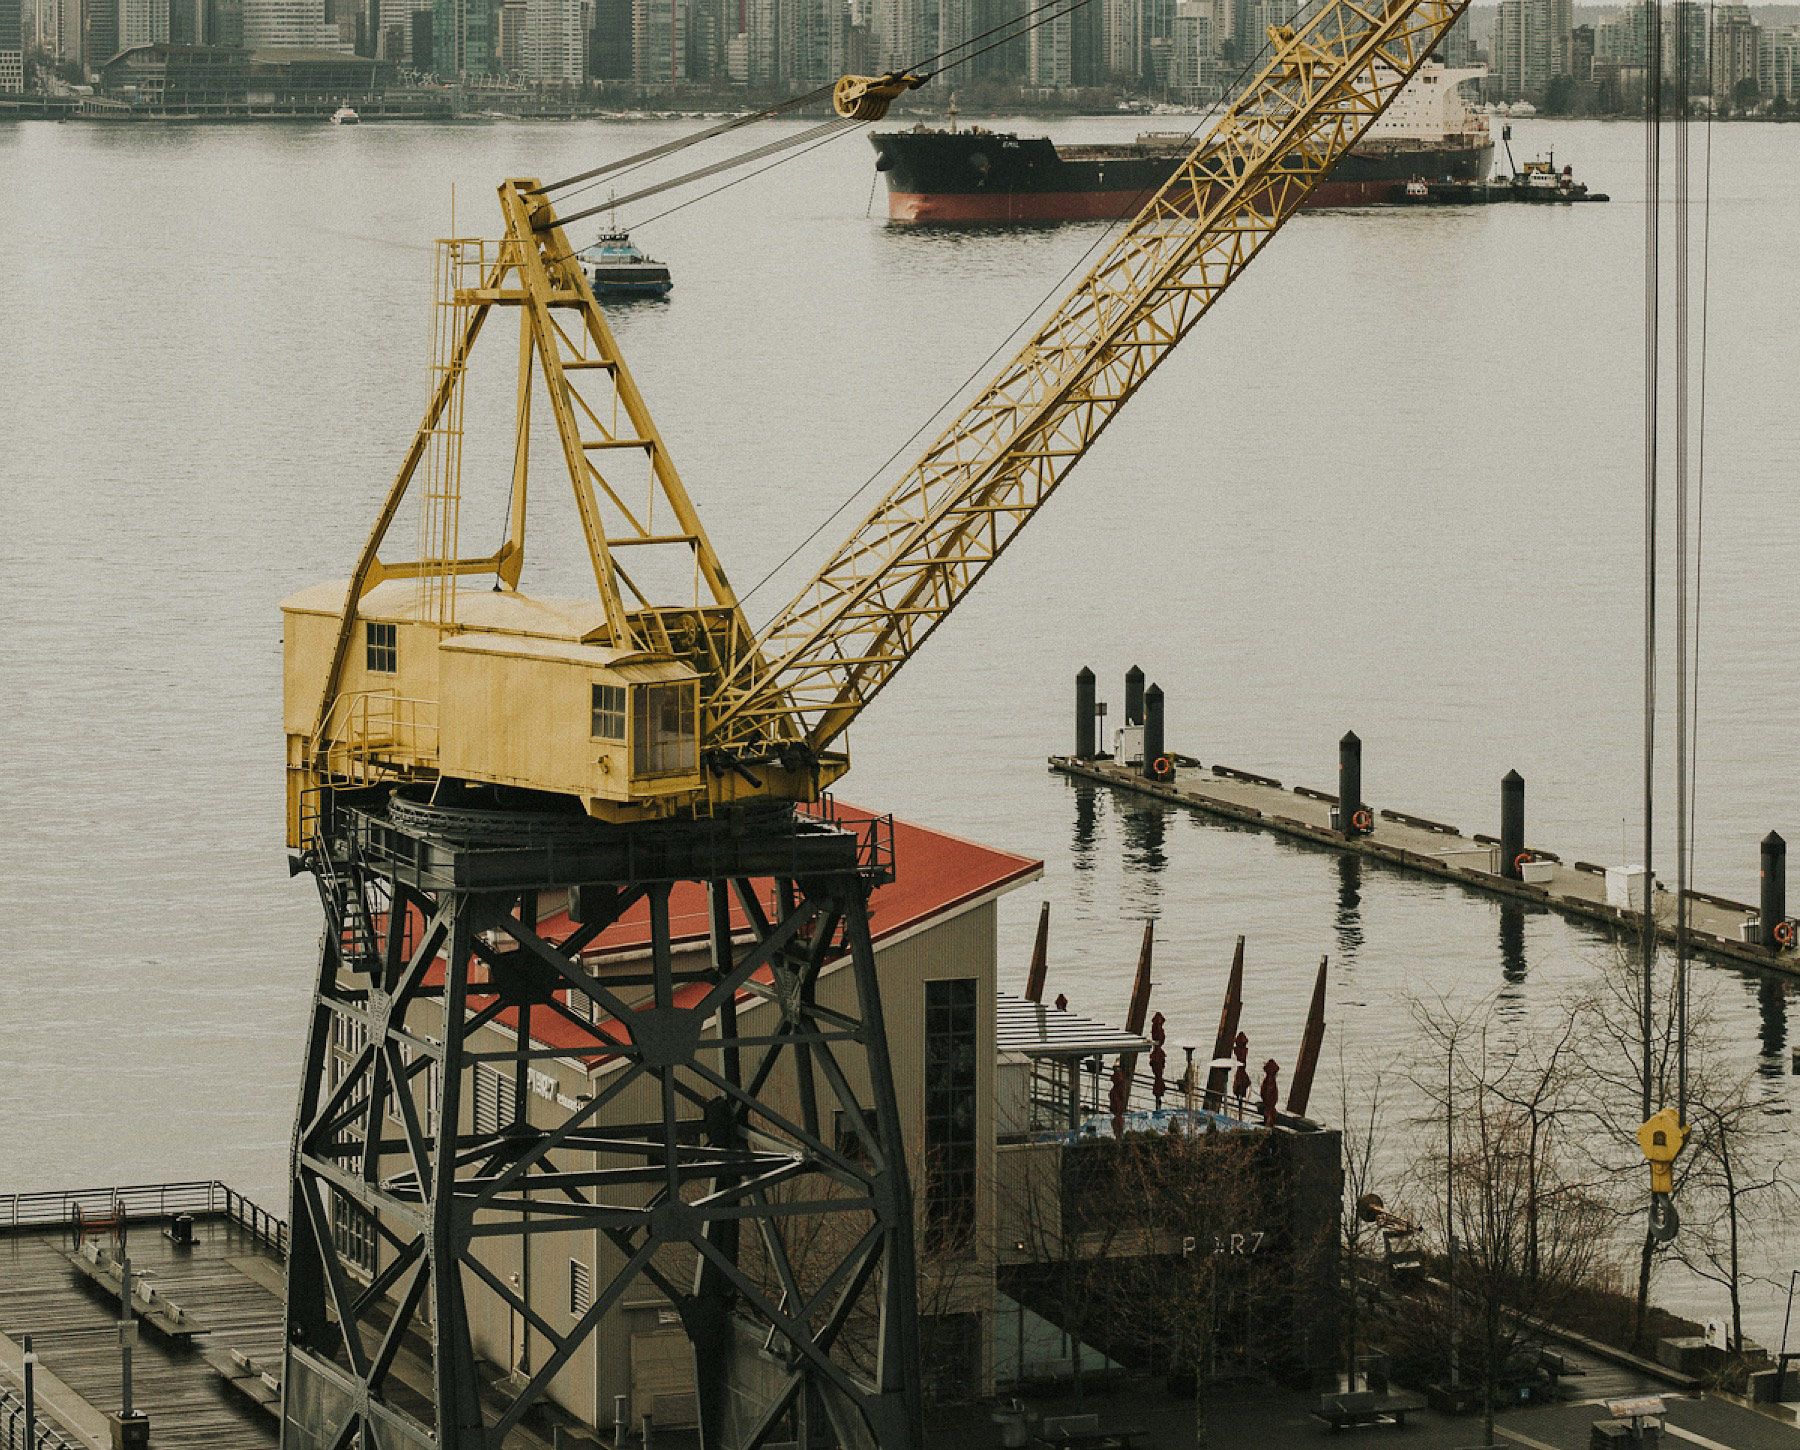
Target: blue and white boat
<point>617,268</point>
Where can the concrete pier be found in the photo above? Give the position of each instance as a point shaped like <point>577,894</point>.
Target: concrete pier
<point>1412,843</point>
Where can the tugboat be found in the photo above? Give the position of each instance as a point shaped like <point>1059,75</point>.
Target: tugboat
<point>619,269</point>
<point>1538,181</point>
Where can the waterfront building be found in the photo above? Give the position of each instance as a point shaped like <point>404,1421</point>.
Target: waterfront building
<point>553,50</point>
<point>143,22</point>
<point>1732,51</point>
<point>12,45</point>
<point>659,42</point>
<point>1050,56</point>
<point>462,38</point>
<point>287,25</point>
<point>609,42</point>
<point>99,33</point>
<point>181,79</point>
<point>1194,77</point>
<point>1778,64</point>
<point>1530,46</point>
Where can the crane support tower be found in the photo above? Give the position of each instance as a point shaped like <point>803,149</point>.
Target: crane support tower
<point>482,782</point>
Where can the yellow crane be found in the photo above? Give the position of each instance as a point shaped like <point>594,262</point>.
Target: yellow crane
<point>643,706</point>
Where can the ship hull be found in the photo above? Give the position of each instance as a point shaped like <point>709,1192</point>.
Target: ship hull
<point>984,178</point>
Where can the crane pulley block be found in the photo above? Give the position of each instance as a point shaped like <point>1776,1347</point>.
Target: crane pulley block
<point>867,98</point>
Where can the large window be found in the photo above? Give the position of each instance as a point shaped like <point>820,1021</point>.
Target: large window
<point>609,713</point>
<point>662,729</point>
<point>950,1117</point>
<point>383,641</point>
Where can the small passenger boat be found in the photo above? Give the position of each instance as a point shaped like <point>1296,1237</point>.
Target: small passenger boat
<point>344,116</point>
<point>617,268</point>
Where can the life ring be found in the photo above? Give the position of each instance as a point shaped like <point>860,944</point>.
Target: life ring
<point>1784,933</point>
<point>1363,821</point>
<point>1162,766</point>
<point>1523,859</point>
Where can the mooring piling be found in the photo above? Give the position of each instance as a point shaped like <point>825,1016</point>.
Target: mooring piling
<point>1134,696</point>
<point>1084,715</point>
<point>1156,761</point>
<point>1774,893</point>
<point>1352,818</point>
<point>1300,1084</point>
<point>1040,957</point>
<point>1512,824</point>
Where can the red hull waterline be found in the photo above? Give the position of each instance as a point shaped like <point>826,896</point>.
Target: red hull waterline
<point>1062,206</point>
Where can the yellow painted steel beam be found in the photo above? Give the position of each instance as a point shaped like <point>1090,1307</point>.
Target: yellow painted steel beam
<point>920,550</point>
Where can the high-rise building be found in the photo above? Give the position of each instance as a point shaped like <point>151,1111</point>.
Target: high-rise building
<point>1124,31</point>
<point>462,38</point>
<point>1527,47</point>
<point>554,52</point>
<point>1731,51</point>
<point>1684,44</point>
<point>659,42</point>
<point>142,22</point>
<point>1457,48</point>
<point>1778,64</point>
<point>904,32</point>
<point>12,45</point>
<point>1051,57</point>
<point>100,33</point>
<point>1194,67</point>
<point>274,23</point>
<point>510,18</point>
<point>609,42</point>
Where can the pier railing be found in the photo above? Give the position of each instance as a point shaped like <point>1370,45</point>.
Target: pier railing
<point>12,1426</point>
<point>204,1198</point>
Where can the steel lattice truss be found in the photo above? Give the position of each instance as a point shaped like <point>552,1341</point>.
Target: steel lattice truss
<point>403,1199</point>
<point>928,541</point>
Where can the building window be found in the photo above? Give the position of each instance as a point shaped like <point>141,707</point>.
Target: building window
<point>383,642</point>
<point>849,1140</point>
<point>352,1231</point>
<point>581,1288</point>
<point>663,735</point>
<point>950,1117</point>
<point>609,713</point>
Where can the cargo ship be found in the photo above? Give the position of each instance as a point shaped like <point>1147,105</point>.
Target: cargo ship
<point>971,174</point>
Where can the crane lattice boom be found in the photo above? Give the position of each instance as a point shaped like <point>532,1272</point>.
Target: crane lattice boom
<point>925,544</point>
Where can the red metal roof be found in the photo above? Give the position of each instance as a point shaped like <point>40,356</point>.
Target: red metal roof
<point>934,874</point>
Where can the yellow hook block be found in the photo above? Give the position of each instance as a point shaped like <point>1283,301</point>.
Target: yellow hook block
<point>1662,1138</point>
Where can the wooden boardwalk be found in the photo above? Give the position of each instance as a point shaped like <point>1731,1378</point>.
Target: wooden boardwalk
<point>74,1329</point>
<point>1411,843</point>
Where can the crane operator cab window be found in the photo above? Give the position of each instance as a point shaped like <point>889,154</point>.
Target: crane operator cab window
<point>383,647</point>
<point>664,737</point>
<point>609,713</point>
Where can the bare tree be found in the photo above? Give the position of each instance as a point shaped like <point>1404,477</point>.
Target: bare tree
<point>1522,1228</point>
<point>1361,1130</point>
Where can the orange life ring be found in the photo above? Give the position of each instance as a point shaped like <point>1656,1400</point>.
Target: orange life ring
<point>1524,858</point>
<point>1363,821</point>
<point>1784,933</point>
<point>1162,766</point>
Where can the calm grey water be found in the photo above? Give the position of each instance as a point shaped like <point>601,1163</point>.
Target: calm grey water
<point>1393,483</point>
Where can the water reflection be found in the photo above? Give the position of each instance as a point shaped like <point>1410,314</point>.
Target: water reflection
<point>1771,1002</point>
<point>1087,826</point>
<point>1348,923</point>
<point>1512,943</point>
<point>1144,832</point>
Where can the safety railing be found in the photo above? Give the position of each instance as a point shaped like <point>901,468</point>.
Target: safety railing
<point>372,735</point>
<point>204,1198</point>
<point>12,1426</point>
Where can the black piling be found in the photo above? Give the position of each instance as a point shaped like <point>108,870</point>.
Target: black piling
<point>1084,715</point>
<point>1352,819</point>
<point>1512,823</point>
<point>1155,756</point>
<point>1134,696</point>
<point>1774,893</point>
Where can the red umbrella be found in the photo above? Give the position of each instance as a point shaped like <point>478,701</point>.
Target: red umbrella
<point>1158,1060</point>
<point>1240,1080</point>
<point>1115,1099</point>
<point>1062,1002</point>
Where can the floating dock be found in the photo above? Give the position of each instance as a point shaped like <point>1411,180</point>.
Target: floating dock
<point>1717,926</point>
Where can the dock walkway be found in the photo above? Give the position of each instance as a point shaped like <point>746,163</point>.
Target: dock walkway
<point>1413,843</point>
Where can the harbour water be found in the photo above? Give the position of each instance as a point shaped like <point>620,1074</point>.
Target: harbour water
<point>1392,484</point>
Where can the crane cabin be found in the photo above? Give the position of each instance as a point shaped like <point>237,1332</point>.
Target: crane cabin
<point>514,693</point>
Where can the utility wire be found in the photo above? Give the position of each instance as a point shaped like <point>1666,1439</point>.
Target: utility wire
<point>1652,299</point>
